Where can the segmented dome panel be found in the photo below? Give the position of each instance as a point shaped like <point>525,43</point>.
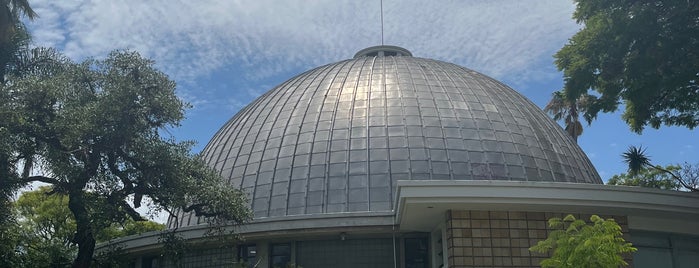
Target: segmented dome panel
<point>338,137</point>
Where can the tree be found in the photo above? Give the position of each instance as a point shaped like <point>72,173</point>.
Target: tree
<point>561,107</point>
<point>638,161</point>
<point>46,226</point>
<point>13,35</point>
<point>577,244</point>
<point>644,54</point>
<point>648,177</point>
<point>45,229</point>
<point>10,14</point>
<point>93,131</point>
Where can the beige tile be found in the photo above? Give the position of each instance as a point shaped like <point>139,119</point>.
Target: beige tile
<point>480,223</point>
<point>536,216</point>
<point>499,215</point>
<point>482,261</point>
<point>517,215</point>
<point>480,215</point>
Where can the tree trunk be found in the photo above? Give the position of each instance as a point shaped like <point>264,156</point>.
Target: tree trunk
<point>83,236</point>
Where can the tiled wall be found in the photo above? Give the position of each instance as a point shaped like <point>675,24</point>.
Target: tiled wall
<point>204,258</point>
<point>501,239</point>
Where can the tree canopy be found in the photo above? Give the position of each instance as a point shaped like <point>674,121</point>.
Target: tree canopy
<point>642,54</point>
<point>92,130</point>
<point>648,177</point>
<point>576,244</point>
<point>643,172</point>
<point>45,227</point>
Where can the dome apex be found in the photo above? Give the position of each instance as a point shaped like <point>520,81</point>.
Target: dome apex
<point>381,51</point>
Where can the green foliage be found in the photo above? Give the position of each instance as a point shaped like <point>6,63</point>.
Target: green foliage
<point>174,247</point>
<point>644,54</point>
<point>127,228</point>
<point>576,244</point>
<point>636,159</point>
<point>648,177</point>
<point>94,128</point>
<point>563,107</point>
<point>45,227</point>
<point>9,238</point>
<point>13,39</point>
<point>687,177</point>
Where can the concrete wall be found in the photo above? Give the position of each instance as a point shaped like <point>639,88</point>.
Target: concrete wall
<point>499,238</point>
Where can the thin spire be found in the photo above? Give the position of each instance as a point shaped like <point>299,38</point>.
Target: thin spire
<point>382,22</point>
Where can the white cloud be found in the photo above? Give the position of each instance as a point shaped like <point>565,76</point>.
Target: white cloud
<point>257,40</point>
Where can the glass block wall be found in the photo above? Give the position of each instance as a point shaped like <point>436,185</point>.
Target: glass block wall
<point>502,238</point>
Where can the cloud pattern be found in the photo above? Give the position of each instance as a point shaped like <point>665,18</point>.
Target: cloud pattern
<point>253,41</point>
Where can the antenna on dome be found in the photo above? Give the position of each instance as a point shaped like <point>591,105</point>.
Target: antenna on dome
<point>382,22</point>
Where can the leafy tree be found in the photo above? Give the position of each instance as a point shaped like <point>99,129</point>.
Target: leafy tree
<point>648,177</point>
<point>13,38</point>
<point>687,176</point>
<point>577,244</point>
<point>93,131</point>
<point>127,228</point>
<point>561,107</point>
<point>644,54</point>
<point>45,229</point>
<point>46,226</point>
<point>9,238</point>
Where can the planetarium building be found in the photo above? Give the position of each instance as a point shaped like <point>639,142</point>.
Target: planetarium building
<point>390,160</point>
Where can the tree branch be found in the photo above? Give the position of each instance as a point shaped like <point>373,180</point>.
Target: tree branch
<point>678,178</point>
<point>128,185</point>
<point>130,211</point>
<point>199,210</point>
<point>43,179</point>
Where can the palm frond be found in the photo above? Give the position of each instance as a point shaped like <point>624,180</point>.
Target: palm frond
<point>636,159</point>
<point>21,7</point>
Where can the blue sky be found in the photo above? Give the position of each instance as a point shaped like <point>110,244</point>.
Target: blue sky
<point>225,53</point>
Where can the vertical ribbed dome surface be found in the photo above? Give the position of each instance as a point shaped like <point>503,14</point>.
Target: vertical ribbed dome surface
<point>338,137</point>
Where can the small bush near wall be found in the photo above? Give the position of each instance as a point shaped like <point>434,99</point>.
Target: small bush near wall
<point>577,244</point>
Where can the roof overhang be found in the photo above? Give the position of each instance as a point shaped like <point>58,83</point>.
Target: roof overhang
<point>421,205</point>
<point>268,228</point>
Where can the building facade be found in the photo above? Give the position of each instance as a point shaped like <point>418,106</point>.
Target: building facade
<point>389,160</point>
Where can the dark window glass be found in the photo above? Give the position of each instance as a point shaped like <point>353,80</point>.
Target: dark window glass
<point>247,254</point>
<point>149,262</point>
<point>416,253</point>
<point>280,255</point>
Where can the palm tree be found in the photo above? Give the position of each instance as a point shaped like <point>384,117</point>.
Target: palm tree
<point>13,36</point>
<point>637,160</point>
<point>10,13</point>
<point>562,108</point>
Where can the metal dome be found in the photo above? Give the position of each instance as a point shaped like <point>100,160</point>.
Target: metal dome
<point>338,137</point>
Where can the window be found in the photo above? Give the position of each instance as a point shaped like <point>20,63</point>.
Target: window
<point>150,262</point>
<point>280,254</point>
<point>247,254</point>
<point>416,253</point>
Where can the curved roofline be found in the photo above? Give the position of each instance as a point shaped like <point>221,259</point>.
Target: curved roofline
<point>302,147</point>
<point>420,204</point>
